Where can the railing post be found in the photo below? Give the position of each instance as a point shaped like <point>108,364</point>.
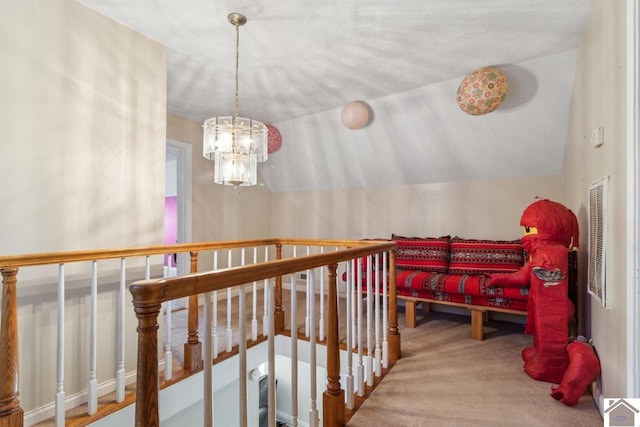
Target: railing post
<point>147,308</point>
<point>11,414</point>
<point>278,315</point>
<point>333,411</point>
<point>193,347</point>
<point>394,334</point>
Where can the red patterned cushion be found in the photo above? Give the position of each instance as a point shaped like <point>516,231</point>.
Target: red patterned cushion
<point>462,284</point>
<point>422,253</point>
<point>485,256</point>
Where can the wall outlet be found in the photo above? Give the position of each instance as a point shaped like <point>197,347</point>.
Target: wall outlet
<point>597,137</point>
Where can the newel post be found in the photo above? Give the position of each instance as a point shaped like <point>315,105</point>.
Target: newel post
<point>333,412</point>
<point>278,315</point>
<point>11,414</point>
<point>394,334</point>
<point>193,346</point>
<point>147,308</point>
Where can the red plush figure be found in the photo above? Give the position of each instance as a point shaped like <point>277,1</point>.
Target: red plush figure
<point>583,368</point>
<point>550,230</point>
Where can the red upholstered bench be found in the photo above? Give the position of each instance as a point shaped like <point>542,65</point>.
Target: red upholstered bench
<point>453,271</point>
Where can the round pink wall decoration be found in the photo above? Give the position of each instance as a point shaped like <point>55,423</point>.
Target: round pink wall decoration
<point>274,139</point>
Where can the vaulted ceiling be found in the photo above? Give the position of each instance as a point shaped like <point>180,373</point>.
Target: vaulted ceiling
<point>301,62</point>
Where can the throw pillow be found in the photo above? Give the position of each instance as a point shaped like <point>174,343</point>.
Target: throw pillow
<point>469,256</point>
<point>422,253</point>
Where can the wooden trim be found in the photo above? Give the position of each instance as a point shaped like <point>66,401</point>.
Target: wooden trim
<point>25,260</point>
<point>148,295</point>
<point>11,413</point>
<point>193,346</point>
<point>479,313</point>
<point>278,315</point>
<point>394,333</point>
<point>147,391</point>
<point>333,409</point>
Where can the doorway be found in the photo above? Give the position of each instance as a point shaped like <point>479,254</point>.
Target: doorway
<point>177,207</point>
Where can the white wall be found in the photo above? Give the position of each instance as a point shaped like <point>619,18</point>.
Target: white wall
<point>599,97</point>
<point>473,209</point>
<point>82,134</point>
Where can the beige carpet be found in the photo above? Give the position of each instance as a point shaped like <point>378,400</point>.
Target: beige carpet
<point>444,378</point>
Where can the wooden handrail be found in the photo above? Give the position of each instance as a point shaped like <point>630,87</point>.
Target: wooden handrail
<point>148,295</point>
<point>45,258</point>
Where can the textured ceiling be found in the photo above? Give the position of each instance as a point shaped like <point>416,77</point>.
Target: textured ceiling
<point>300,62</point>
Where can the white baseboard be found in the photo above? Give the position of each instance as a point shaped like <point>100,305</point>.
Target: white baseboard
<point>77,399</point>
<point>288,419</point>
<point>598,398</point>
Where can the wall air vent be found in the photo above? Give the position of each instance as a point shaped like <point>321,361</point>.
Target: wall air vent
<point>597,249</point>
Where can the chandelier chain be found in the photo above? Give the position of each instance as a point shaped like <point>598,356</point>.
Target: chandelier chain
<point>235,111</point>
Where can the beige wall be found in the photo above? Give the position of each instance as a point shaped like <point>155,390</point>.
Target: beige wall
<point>83,99</point>
<point>82,102</point>
<point>599,98</point>
<point>219,212</point>
<point>472,209</point>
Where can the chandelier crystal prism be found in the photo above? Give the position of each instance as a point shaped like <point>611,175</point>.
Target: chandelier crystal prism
<point>235,144</point>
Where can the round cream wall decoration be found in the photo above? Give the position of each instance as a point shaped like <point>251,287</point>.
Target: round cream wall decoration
<point>355,115</point>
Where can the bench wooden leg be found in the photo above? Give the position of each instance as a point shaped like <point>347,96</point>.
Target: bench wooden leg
<point>477,318</point>
<point>426,307</point>
<point>410,313</point>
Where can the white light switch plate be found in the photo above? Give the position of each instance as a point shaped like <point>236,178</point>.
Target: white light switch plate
<point>597,137</point>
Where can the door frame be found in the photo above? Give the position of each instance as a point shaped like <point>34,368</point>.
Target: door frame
<point>184,192</point>
<point>633,199</point>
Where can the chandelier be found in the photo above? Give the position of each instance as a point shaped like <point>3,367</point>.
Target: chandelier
<point>235,144</point>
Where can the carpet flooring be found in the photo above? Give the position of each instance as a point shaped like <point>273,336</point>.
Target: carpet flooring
<point>444,378</point>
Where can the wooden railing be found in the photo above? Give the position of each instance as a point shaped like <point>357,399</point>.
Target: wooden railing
<point>149,294</point>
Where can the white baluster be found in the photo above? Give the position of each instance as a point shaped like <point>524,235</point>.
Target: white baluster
<point>368,361</point>
<point>307,308</point>
<point>60,394</point>
<point>120,372</point>
<point>147,267</point>
<point>385,314</point>
<point>321,325</point>
<point>254,320</point>
<point>349,377</point>
<point>294,352</point>
<point>377,283</point>
<point>229,330</point>
<point>92,391</point>
<point>271,355</point>
<point>242,357</point>
<point>313,411</point>
<point>354,316</point>
<point>214,316</point>
<point>208,386</point>
<point>359,366</point>
<point>265,291</point>
<point>168,353</point>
